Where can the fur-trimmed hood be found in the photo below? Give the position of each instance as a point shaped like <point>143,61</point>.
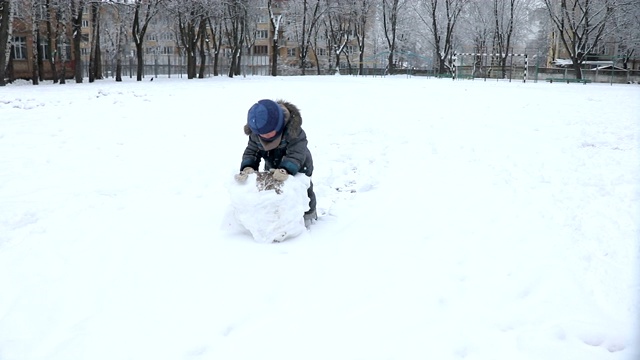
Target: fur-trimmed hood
<point>292,119</point>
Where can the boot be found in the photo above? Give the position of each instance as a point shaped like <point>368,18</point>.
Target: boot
<point>309,217</point>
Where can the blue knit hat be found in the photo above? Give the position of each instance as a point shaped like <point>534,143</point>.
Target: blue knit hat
<point>264,117</point>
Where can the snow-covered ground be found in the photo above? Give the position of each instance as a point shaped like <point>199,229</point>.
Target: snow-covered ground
<point>459,220</point>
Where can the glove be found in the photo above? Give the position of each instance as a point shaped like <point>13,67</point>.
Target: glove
<point>280,175</point>
<point>244,174</point>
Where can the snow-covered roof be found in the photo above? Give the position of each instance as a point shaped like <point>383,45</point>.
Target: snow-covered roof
<point>608,67</point>
<point>568,62</point>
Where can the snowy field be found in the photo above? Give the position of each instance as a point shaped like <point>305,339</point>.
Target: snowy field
<point>458,220</point>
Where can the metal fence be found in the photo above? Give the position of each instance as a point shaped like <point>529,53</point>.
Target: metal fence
<point>260,65</point>
<point>170,66</point>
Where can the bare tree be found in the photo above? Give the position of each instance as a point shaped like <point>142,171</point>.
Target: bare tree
<point>95,62</point>
<point>627,32</point>
<point>189,30</point>
<point>362,12</point>
<point>36,56</point>
<point>580,25</point>
<point>390,9</point>
<point>53,32</point>
<point>77,9</point>
<point>338,28</point>
<point>477,27</point>
<point>235,27</point>
<point>143,12</point>
<point>194,19</point>
<point>305,19</point>
<point>202,48</point>
<point>214,23</point>
<point>6,20</point>
<point>116,18</point>
<point>274,21</point>
<point>504,16</point>
<point>440,18</point>
<point>63,15</point>
<point>509,18</point>
<point>29,15</point>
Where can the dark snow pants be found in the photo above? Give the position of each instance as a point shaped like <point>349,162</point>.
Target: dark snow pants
<point>312,198</point>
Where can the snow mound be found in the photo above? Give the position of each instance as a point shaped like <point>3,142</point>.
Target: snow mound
<point>268,209</point>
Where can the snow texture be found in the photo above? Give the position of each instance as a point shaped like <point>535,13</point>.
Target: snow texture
<point>457,220</point>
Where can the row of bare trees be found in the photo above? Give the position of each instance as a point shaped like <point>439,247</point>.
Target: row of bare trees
<point>322,32</point>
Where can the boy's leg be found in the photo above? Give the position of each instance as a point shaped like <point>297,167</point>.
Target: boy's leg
<point>311,213</point>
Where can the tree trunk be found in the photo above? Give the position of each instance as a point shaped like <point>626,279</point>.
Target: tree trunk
<point>307,31</point>
<point>52,36</point>
<point>5,30</point>
<point>98,57</point>
<point>95,63</point>
<point>275,47</point>
<point>118,68</point>
<point>577,67</point>
<point>92,48</point>
<point>119,42</point>
<point>140,61</point>
<point>232,66</point>
<point>202,30</point>
<point>361,31</point>
<point>139,29</point>
<point>235,30</point>
<point>390,23</point>
<point>35,74</point>
<point>77,39</point>
<point>119,50</point>
<point>217,44</point>
<point>63,52</point>
<point>239,62</point>
<point>274,57</point>
<point>189,40</point>
<point>37,57</point>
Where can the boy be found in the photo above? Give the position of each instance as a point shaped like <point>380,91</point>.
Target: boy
<point>276,135</point>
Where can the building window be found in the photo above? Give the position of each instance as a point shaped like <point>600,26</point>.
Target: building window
<point>321,52</point>
<point>260,50</point>
<point>167,50</point>
<point>85,23</point>
<point>41,14</point>
<point>45,49</point>
<point>67,51</point>
<point>291,52</point>
<point>262,34</point>
<point>19,48</point>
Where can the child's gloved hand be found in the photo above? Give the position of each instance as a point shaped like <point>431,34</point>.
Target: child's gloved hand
<point>280,175</point>
<point>244,174</point>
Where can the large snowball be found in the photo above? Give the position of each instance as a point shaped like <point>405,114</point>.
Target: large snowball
<point>270,210</point>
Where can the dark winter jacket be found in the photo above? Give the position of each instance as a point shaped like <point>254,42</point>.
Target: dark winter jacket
<point>292,154</point>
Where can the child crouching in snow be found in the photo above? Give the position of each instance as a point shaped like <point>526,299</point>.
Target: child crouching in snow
<point>276,135</point>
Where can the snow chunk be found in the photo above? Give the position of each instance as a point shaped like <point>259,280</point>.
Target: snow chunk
<point>270,210</point>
